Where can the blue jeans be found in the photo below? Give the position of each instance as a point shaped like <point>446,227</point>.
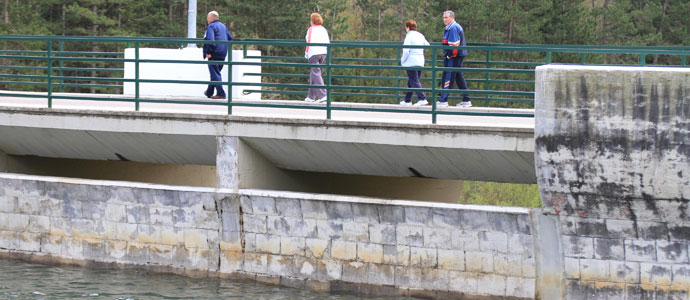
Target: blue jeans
<point>214,70</point>
<point>413,82</point>
<point>450,77</point>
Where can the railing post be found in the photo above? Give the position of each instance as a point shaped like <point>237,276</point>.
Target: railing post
<point>684,60</point>
<point>50,74</point>
<point>328,82</point>
<point>582,58</point>
<point>643,59</point>
<point>487,84</point>
<point>229,64</point>
<point>397,80</point>
<point>62,65</point>
<point>433,85</point>
<point>136,76</point>
<point>548,57</point>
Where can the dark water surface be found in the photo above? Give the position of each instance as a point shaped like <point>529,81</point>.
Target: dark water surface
<point>20,280</point>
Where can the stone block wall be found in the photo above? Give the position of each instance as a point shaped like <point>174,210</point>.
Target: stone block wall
<point>300,240</point>
<point>612,163</point>
<point>407,248</point>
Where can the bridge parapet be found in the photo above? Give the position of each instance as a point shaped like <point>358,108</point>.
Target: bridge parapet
<point>612,164</point>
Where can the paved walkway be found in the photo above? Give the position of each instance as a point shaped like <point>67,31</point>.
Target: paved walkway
<point>309,111</point>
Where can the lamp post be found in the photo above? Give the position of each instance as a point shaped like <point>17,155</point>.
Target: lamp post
<point>191,22</point>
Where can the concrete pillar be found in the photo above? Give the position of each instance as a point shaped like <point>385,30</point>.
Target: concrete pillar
<point>227,162</point>
<point>612,162</point>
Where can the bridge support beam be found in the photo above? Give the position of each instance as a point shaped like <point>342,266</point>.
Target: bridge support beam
<point>613,163</point>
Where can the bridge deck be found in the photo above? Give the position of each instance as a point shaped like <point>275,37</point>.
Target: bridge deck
<point>291,113</point>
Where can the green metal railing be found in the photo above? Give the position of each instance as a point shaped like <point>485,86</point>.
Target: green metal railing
<point>498,75</point>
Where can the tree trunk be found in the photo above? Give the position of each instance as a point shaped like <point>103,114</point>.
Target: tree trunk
<point>602,38</point>
<point>512,22</point>
<point>661,27</point>
<point>7,13</point>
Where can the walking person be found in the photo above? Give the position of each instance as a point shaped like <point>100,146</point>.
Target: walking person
<point>453,58</point>
<point>316,56</point>
<point>413,58</point>
<point>216,31</point>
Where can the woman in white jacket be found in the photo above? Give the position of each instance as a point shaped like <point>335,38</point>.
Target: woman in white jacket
<point>413,58</point>
<point>316,56</point>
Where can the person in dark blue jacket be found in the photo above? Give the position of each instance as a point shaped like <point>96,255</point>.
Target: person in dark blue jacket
<point>453,58</point>
<point>216,31</point>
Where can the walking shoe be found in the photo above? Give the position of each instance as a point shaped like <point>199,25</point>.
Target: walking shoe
<point>217,97</point>
<point>421,103</point>
<point>465,104</point>
<point>322,100</point>
<point>442,104</point>
<point>207,96</point>
<point>403,103</point>
<point>308,99</point>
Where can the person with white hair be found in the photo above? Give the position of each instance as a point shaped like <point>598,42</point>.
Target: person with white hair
<point>216,31</point>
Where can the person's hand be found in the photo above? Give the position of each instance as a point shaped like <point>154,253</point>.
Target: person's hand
<point>208,56</point>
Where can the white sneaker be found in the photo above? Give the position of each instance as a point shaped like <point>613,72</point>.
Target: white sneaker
<point>465,104</point>
<point>421,103</point>
<point>442,104</point>
<point>322,100</point>
<point>308,99</point>
<point>403,103</point>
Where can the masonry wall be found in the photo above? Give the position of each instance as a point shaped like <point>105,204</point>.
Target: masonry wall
<point>301,240</point>
<point>612,164</point>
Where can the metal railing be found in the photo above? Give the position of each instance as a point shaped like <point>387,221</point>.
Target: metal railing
<point>498,75</point>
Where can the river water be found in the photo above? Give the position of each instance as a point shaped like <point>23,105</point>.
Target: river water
<point>20,280</point>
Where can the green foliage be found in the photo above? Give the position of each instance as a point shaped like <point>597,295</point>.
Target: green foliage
<point>503,194</point>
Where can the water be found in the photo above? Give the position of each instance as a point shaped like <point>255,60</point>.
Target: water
<point>20,280</point>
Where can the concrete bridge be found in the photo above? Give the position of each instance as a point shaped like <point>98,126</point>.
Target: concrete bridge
<point>267,145</point>
<point>608,150</point>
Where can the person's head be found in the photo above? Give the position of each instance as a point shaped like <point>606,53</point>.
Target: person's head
<point>316,19</point>
<point>212,16</point>
<point>448,17</point>
<point>410,25</point>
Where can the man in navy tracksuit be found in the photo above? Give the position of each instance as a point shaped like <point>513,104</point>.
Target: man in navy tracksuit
<point>216,31</point>
<point>453,36</point>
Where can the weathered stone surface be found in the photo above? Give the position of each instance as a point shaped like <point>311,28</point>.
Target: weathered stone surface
<point>446,218</point>
<point>491,284</point>
<point>503,222</point>
<point>436,279</point>
<point>609,249</point>
<point>396,255</point>
<point>263,206</point>
<point>313,209</point>
<point>288,207</point>
<point>474,220</point>
<point>339,211</point>
<point>464,240</point>
<point>437,238</point>
<point>292,245</point>
<point>639,250</point>
<point>286,226</point>
<point>356,232</point>
<point>520,244</point>
<point>329,230</point>
<point>343,250</point>
<point>354,272</point>
<point>365,213</point>
<point>620,229</point>
<point>370,253</point>
<point>269,244</point>
<point>255,223</point>
<point>672,252</point>
<point>628,272</point>
<point>659,274</point>
<point>410,235</point>
<point>406,277</point>
<point>381,274</point>
<point>520,287</point>
<point>572,268</point>
<point>479,262</point>
<point>391,214</point>
<point>453,260</point>
<point>493,241</point>
<point>382,234</point>
<point>580,247</point>
<point>423,257</point>
<point>463,282</point>
<point>418,216</point>
<point>652,230</point>
<point>594,270</point>
<point>316,247</point>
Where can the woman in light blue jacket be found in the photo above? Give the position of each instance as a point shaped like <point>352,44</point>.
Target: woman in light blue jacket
<point>413,58</point>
